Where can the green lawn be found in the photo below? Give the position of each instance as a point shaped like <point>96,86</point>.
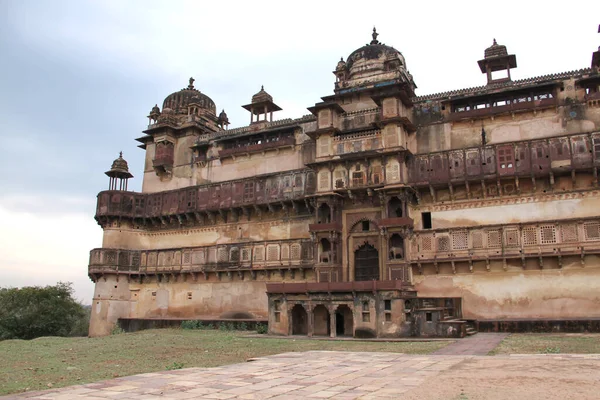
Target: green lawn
<point>532,343</point>
<point>55,362</point>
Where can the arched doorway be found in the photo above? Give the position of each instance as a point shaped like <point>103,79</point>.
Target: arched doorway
<point>321,320</point>
<point>324,214</point>
<point>344,322</point>
<point>396,247</point>
<point>366,263</point>
<point>299,320</point>
<point>395,208</point>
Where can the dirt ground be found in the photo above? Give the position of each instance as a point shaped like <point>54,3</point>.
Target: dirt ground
<point>515,377</point>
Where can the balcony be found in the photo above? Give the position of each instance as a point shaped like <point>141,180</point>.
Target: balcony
<point>520,241</point>
<point>258,147</point>
<point>333,287</point>
<point>393,222</point>
<point>260,255</point>
<point>517,106</point>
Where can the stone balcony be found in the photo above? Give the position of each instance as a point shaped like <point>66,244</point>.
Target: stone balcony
<point>544,239</point>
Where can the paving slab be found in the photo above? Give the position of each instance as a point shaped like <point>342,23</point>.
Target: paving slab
<point>479,344</point>
<point>352,375</point>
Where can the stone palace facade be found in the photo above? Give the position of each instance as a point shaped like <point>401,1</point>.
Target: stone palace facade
<point>381,213</point>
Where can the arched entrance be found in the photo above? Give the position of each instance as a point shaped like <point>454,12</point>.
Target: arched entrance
<point>366,263</point>
<point>299,320</point>
<point>321,320</point>
<point>344,323</point>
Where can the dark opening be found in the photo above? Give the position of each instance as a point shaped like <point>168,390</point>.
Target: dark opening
<point>395,208</point>
<point>365,226</point>
<point>324,214</point>
<point>325,254</point>
<point>396,247</point>
<point>299,320</point>
<point>388,305</point>
<point>426,218</point>
<point>339,324</point>
<point>428,317</point>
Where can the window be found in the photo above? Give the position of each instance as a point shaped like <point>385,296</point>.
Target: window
<point>357,179</point>
<point>426,218</point>
<point>387,305</point>
<point>365,226</point>
<point>428,317</point>
<point>189,295</point>
<point>377,175</point>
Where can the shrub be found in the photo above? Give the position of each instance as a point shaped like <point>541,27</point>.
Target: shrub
<point>117,330</point>
<point>262,328</point>
<point>175,365</point>
<point>191,325</point>
<point>242,326</point>
<point>34,311</point>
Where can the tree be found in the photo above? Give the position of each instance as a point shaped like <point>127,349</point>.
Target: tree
<point>34,311</point>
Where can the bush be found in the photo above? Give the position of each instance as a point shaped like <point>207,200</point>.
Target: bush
<point>117,330</point>
<point>262,328</point>
<point>191,325</point>
<point>242,326</point>
<point>35,311</point>
<point>175,365</point>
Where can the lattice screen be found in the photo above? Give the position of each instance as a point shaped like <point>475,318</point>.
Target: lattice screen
<point>460,240</point>
<point>259,253</point>
<point>548,234</point>
<point>426,243</point>
<point>393,173</point>
<point>222,255</point>
<point>323,180</point>
<point>295,252</point>
<point>152,260</point>
<point>272,252</point>
<point>234,254</point>
<point>477,239</point>
<point>135,259</point>
<point>511,238</point>
<point>246,254</point>
<point>443,243</point>
<point>143,261</point>
<point>198,257</point>
<point>530,236</point>
<point>494,239</point>
<point>592,230</point>
<point>187,257</point>
<point>568,233</point>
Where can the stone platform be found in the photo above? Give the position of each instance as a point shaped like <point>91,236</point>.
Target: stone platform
<point>349,375</point>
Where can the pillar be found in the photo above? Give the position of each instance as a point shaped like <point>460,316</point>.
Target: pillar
<point>311,321</point>
<point>332,322</point>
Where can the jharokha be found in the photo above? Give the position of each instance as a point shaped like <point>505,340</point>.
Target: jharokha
<point>380,214</point>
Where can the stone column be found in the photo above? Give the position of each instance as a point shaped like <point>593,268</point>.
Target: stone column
<point>332,321</point>
<point>311,321</point>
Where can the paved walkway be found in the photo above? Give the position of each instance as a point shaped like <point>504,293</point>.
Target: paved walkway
<point>349,375</point>
<point>479,344</point>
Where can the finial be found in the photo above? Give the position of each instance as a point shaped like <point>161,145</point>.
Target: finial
<point>374,35</point>
<point>262,87</point>
<point>120,154</point>
<point>494,42</point>
<point>191,85</point>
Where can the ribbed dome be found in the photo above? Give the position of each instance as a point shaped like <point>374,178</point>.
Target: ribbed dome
<point>373,51</point>
<point>179,101</point>
<point>495,50</point>
<point>119,168</point>
<point>262,96</point>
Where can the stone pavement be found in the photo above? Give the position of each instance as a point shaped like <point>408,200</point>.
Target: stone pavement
<point>350,375</point>
<point>479,344</point>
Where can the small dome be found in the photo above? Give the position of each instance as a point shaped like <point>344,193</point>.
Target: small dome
<point>119,168</point>
<point>155,109</point>
<point>495,50</point>
<point>262,96</point>
<point>341,64</point>
<point>179,101</point>
<point>223,117</point>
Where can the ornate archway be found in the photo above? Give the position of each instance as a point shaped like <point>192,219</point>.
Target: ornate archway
<point>366,263</point>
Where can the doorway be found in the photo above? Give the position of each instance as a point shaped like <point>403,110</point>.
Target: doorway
<point>344,324</point>
<point>299,320</point>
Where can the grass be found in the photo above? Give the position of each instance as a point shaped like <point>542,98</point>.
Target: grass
<point>550,343</point>
<point>56,362</point>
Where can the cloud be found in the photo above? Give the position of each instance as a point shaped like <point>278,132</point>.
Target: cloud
<point>44,248</point>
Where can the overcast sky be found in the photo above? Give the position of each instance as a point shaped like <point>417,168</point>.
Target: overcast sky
<point>77,79</point>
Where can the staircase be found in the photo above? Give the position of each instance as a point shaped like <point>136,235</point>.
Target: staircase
<point>471,328</point>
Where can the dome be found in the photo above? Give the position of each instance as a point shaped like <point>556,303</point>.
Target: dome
<point>375,54</point>
<point>495,50</point>
<point>179,101</point>
<point>261,96</point>
<point>119,168</point>
<point>340,65</point>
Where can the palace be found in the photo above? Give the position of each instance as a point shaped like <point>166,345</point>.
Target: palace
<point>379,214</point>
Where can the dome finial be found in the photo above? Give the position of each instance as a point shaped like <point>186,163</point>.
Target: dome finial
<point>120,154</point>
<point>262,87</point>
<point>495,43</point>
<point>191,85</point>
<point>374,35</point>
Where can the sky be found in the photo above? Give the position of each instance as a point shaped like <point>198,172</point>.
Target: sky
<point>78,78</point>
